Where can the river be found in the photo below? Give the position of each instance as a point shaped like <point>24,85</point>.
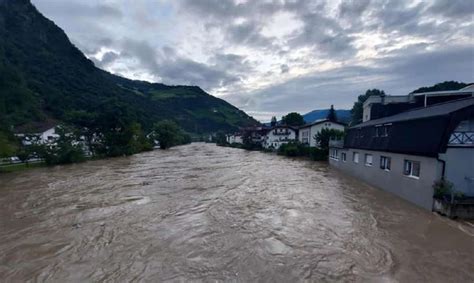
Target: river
<point>206,213</point>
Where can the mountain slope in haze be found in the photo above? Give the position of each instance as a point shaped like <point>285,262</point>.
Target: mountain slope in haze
<point>343,116</point>
<point>43,77</point>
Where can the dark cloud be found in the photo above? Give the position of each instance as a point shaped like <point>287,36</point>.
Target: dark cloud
<point>398,74</point>
<point>353,8</point>
<point>237,47</point>
<point>457,9</point>
<point>247,33</point>
<point>107,59</point>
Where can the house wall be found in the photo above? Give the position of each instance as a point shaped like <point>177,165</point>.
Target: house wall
<point>313,130</point>
<point>416,190</point>
<point>48,135</point>
<point>460,168</point>
<point>234,139</point>
<point>275,140</point>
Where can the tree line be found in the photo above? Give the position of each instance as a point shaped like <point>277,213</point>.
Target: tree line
<point>107,134</point>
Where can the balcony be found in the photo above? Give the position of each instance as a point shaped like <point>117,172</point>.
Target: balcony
<point>282,133</point>
<point>461,139</point>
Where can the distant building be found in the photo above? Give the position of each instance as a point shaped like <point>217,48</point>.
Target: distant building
<point>278,135</point>
<point>407,152</point>
<point>47,135</point>
<point>234,138</point>
<point>44,135</point>
<point>256,135</point>
<point>376,107</point>
<point>307,132</point>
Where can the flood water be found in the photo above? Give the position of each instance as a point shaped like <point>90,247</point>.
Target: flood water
<point>206,213</point>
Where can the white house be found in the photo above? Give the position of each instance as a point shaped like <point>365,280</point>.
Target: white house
<point>42,136</point>
<point>307,132</point>
<point>48,136</point>
<point>234,138</point>
<point>278,135</point>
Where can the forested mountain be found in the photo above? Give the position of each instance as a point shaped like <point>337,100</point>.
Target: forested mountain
<point>343,116</point>
<point>44,78</point>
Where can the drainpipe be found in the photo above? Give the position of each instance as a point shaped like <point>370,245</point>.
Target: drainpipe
<point>443,173</point>
<point>443,170</point>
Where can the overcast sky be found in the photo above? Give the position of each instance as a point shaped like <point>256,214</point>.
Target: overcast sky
<point>273,57</point>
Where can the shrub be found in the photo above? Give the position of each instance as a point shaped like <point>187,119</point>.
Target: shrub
<point>318,154</point>
<point>293,149</point>
<point>442,188</point>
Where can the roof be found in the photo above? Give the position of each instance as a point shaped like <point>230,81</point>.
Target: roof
<point>421,113</point>
<point>35,127</point>
<point>281,126</point>
<point>423,132</point>
<point>319,122</point>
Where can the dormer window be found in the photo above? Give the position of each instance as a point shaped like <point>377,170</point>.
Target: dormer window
<point>381,130</point>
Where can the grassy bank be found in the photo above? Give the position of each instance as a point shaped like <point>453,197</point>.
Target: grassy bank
<point>20,167</point>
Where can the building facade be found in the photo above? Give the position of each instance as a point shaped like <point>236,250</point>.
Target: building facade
<point>306,133</point>
<point>376,107</point>
<point>407,152</point>
<point>234,138</point>
<point>278,135</point>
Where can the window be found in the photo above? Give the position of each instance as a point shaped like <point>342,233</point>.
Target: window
<point>343,156</point>
<point>368,160</point>
<point>377,131</point>
<point>385,163</point>
<point>333,154</point>
<point>381,131</point>
<point>411,168</point>
<point>355,157</point>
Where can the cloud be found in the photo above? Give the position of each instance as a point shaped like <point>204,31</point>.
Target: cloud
<point>284,68</point>
<point>242,50</point>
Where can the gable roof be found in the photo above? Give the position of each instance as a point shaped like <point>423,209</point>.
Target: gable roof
<point>440,109</point>
<point>424,132</point>
<point>320,121</point>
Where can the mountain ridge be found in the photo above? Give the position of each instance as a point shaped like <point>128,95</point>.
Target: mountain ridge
<point>343,115</point>
<point>45,77</point>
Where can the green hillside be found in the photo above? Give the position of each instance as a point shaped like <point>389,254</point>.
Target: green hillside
<point>44,78</point>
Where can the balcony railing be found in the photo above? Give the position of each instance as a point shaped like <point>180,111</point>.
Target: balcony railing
<point>462,138</point>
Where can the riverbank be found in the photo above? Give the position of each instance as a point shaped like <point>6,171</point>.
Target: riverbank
<point>20,167</point>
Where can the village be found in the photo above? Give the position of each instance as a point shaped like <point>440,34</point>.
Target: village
<point>395,148</point>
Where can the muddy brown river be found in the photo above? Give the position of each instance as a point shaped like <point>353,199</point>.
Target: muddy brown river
<point>207,213</point>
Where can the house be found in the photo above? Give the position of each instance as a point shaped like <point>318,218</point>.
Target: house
<point>255,135</point>
<point>306,133</point>
<point>407,152</point>
<point>47,135</point>
<point>234,138</point>
<point>386,105</point>
<point>278,135</point>
<point>42,135</point>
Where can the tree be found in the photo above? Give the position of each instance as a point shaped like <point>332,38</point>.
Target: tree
<point>358,108</point>
<point>220,138</point>
<point>7,148</point>
<point>332,116</point>
<point>293,119</point>
<point>447,85</point>
<point>65,149</point>
<point>325,135</point>
<point>273,122</point>
<point>29,147</point>
<point>167,133</point>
